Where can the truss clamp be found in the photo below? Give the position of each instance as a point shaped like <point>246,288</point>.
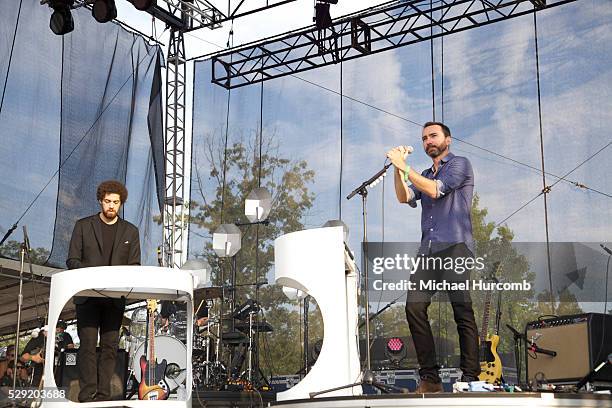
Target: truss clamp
<point>361,39</point>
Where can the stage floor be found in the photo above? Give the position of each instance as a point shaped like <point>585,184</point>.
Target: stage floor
<point>539,400</point>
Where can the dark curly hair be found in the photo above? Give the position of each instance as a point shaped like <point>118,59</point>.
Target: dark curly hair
<point>112,187</point>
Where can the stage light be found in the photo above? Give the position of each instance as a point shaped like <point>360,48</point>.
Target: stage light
<point>61,21</point>
<point>395,350</point>
<point>144,5</point>
<point>227,240</point>
<point>104,10</point>
<point>539,4</point>
<point>338,223</point>
<point>257,205</point>
<point>322,17</point>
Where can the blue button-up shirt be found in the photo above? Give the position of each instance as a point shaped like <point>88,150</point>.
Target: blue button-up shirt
<point>446,220</point>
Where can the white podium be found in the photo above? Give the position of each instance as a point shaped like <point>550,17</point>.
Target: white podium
<point>313,261</point>
<point>133,282</point>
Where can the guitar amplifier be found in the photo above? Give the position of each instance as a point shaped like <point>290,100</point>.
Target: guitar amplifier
<point>581,343</point>
<point>67,374</point>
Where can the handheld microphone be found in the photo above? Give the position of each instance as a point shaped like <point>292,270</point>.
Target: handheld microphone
<point>378,176</point>
<point>605,248</point>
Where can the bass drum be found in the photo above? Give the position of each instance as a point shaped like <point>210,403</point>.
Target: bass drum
<point>175,354</point>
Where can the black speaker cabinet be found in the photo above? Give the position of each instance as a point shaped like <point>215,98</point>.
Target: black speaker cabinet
<point>581,342</point>
<point>67,374</point>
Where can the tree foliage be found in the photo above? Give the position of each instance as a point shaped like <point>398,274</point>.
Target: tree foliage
<point>12,249</point>
<point>288,182</point>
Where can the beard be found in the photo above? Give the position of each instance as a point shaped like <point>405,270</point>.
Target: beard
<point>435,151</point>
<point>110,215</point>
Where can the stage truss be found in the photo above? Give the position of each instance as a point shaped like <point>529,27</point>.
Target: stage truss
<point>381,28</point>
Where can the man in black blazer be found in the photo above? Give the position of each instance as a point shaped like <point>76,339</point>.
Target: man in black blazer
<point>102,239</point>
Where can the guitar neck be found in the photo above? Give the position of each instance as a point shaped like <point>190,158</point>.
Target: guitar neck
<point>151,337</point>
<point>485,318</point>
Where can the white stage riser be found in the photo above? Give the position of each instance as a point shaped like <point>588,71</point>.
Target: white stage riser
<point>458,401</point>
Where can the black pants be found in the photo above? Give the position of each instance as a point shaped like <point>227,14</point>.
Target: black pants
<point>105,315</point>
<point>418,302</point>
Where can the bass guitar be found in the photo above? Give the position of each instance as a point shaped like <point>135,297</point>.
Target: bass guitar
<point>153,385</point>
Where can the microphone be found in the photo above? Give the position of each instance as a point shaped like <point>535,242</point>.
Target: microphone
<point>605,248</point>
<point>536,349</point>
<point>372,180</point>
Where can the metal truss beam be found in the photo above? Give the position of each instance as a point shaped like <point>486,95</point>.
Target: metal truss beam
<point>385,27</point>
<point>188,15</point>
<point>175,220</point>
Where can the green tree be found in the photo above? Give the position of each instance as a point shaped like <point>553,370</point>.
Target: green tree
<point>288,181</point>
<point>12,249</point>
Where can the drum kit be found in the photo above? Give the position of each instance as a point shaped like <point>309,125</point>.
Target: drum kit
<point>210,342</point>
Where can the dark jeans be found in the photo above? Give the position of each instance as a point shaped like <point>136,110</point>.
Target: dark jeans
<point>418,302</point>
<point>104,314</point>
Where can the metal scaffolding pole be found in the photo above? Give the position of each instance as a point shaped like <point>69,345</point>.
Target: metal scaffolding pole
<point>175,213</point>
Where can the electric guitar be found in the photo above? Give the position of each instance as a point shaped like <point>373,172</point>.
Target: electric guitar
<point>153,385</point>
<point>490,363</point>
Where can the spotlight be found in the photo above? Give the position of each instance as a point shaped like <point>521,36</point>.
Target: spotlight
<point>539,4</point>
<point>227,240</point>
<point>61,21</point>
<point>257,205</point>
<point>144,5</point>
<point>322,17</point>
<point>104,10</point>
<point>395,350</point>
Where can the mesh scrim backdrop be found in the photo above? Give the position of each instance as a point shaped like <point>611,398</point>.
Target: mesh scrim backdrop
<point>88,104</point>
<point>484,83</point>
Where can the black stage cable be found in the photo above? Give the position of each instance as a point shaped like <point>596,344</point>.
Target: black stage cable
<point>340,200</point>
<point>8,68</point>
<point>261,102</point>
<point>539,170</point>
<point>445,354</point>
<point>193,155</point>
<point>545,190</point>
<point>230,38</point>
<point>76,146</point>
<point>382,212</point>
<point>433,109</point>
<point>431,54</point>
<point>605,311</point>
<point>497,224</point>
<point>442,75</point>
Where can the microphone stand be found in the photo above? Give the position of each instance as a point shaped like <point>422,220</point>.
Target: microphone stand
<point>518,338</point>
<point>24,254</point>
<point>367,377</point>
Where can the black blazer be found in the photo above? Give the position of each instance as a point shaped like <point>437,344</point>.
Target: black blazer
<point>86,246</point>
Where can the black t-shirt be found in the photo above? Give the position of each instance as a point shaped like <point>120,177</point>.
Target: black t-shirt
<point>36,346</point>
<point>62,340</point>
<point>108,238</point>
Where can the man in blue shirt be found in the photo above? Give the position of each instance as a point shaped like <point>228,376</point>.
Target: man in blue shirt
<point>446,191</point>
